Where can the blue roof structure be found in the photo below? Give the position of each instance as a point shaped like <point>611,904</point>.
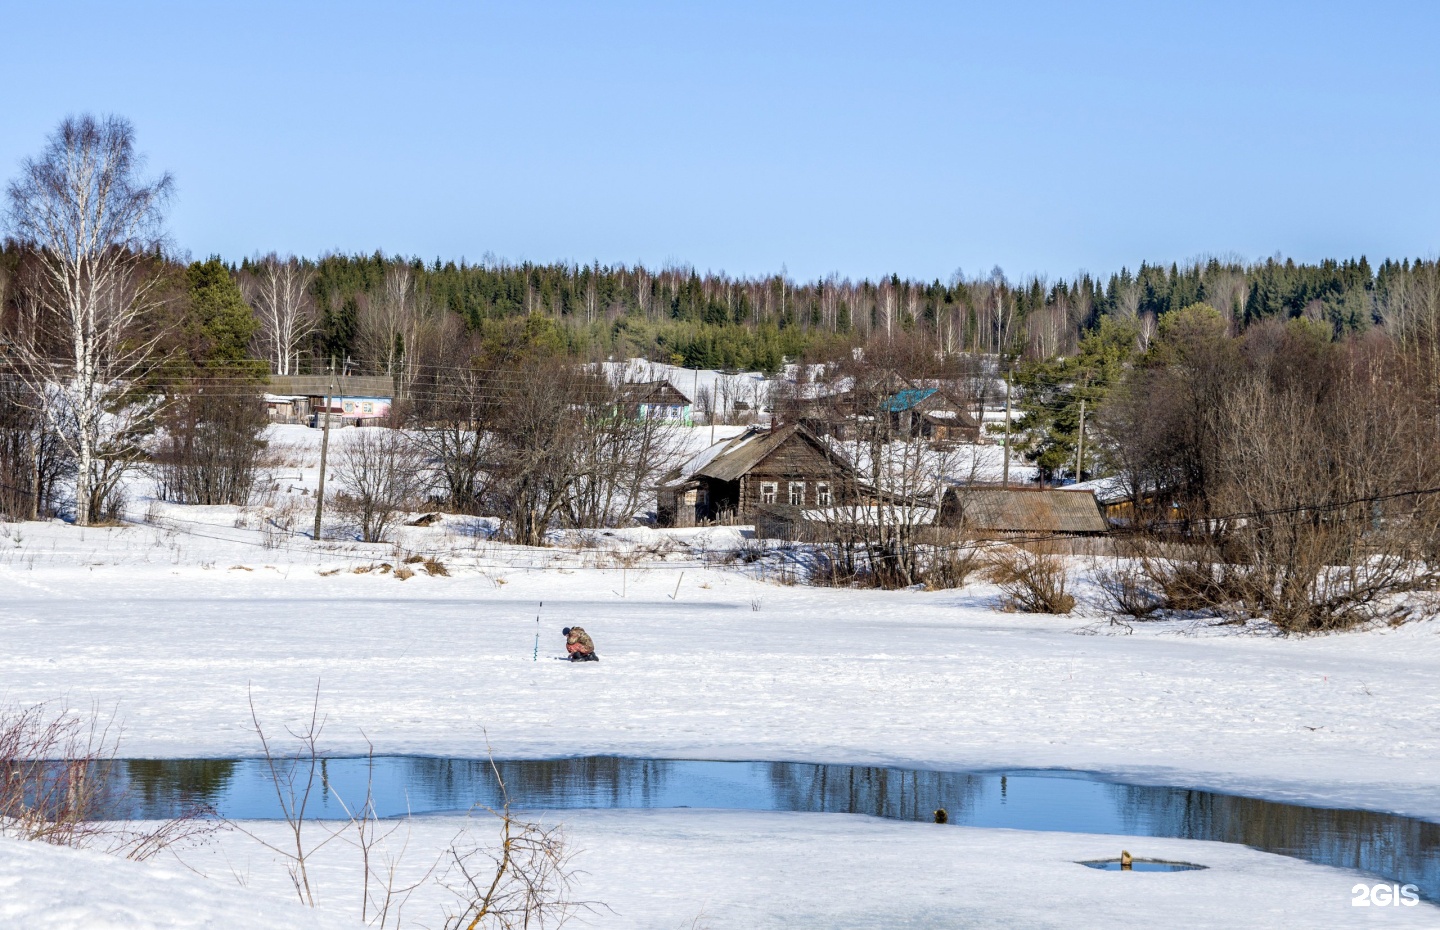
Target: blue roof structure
<point>907,399</point>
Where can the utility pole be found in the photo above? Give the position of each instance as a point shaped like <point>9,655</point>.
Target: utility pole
<point>1005,470</point>
<point>1080,445</point>
<point>324,450</point>
<point>695,395</point>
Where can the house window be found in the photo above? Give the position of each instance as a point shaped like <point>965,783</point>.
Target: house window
<point>822,494</point>
<point>767,492</point>
<point>797,494</point>
<point>367,407</point>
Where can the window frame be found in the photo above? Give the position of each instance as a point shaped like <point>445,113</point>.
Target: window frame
<point>796,500</point>
<point>769,492</point>
<point>822,494</point>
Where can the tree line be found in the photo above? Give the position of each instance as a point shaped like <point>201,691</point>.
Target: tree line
<point>1276,415</point>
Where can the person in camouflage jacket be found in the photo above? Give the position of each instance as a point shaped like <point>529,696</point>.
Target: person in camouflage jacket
<point>579,644</point>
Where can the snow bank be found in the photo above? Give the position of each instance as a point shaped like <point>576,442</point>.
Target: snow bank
<point>46,887</point>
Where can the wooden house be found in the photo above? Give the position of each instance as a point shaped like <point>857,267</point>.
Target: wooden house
<point>847,407</point>
<point>657,400</point>
<point>930,413</point>
<point>1117,499</point>
<point>786,467</point>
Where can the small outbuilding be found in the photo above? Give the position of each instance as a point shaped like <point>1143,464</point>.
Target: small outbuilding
<point>1011,512</point>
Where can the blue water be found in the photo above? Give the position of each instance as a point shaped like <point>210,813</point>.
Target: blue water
<point>1398,849</point>
<point>1142,865</point>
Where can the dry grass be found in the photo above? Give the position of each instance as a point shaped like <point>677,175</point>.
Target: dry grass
<point>950,568</point>
<point>56,787</point>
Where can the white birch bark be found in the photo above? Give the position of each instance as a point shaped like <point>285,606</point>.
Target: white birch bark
<point>95,228</point>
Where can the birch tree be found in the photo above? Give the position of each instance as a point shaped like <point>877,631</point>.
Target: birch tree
<point>96,226</point>
<point>279,292</point>
<point>393,323</point>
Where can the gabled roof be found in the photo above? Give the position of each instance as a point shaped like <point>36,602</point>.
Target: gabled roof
<point>1008,510</point>
<point>907,399</point>
<point>642,392</point>
<point>752,448</point>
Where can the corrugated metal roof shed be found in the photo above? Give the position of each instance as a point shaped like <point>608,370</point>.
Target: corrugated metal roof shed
<point>1008,510</point>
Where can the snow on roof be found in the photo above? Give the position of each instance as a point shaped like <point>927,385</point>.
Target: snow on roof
<point>710,453</point>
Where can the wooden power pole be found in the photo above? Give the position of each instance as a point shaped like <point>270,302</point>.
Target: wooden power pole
<point>1005,469</point>
<point>324,450</point>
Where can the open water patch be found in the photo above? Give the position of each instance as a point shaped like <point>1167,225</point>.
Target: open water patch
<point>1141,865</point>
<point>1396,848</point>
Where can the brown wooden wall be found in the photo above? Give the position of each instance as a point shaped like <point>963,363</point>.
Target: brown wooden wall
<point>794,460</point>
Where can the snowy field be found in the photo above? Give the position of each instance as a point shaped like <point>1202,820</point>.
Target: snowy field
<point>175,629</point>
<point>178,622</point>
<point>724,870</point>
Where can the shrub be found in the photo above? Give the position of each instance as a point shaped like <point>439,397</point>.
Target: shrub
<point>211,450</point>
<point>1127,590</point>
<point>1032,582</point>
<point>949,568</point>
<point>379,474</point>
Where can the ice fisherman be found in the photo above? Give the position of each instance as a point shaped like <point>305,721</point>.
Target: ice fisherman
<point>579,644</point>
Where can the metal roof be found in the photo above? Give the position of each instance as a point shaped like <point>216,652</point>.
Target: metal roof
<point>906,399</point>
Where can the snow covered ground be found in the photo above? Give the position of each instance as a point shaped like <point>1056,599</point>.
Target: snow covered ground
<point>175,628</point>
<point>668,870</point>
<point>177,623</point>
<point>50,888</point>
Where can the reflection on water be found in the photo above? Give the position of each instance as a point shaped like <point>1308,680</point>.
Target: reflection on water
<point>157,782</point>
<point>1400,849</point>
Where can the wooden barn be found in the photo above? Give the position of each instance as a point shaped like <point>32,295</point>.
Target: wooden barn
<point>1010,512</point>
<point>786,467</point>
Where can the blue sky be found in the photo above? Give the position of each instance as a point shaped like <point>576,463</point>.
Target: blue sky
<point>862,139</point>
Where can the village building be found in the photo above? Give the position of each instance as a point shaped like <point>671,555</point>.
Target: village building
<point>930,413</point>
<point>757,471</point>
<point>885,404</point>
<point>1002,513</point>
<point>1117,496</point>
<point>657,400</point>
<point>287,408</point>
<point>357,400</point>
